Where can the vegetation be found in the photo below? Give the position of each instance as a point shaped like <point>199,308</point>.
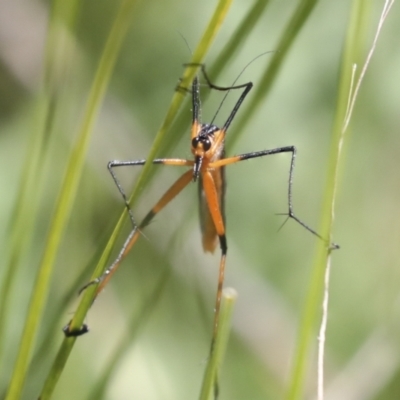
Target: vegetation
<point>98,83</point>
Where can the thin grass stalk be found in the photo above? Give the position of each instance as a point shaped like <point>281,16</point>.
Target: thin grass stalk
<point>209,388</point>
<point>66,198</point>
<point>313,301</point>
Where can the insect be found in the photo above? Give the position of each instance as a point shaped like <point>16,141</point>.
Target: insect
<point>207,169</point>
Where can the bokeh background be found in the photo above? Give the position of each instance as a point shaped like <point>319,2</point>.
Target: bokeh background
<point>161,300</point>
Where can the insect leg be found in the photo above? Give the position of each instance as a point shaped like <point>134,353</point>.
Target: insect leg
<point>245,86</point>
<point>286,149</point>
<point>211,194</point>
<point>116,163</point>
<point>173,191</point>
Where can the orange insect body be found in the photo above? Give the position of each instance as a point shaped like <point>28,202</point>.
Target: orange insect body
<point>208,147</point>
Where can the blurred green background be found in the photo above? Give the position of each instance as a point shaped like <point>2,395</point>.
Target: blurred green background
<point>167,270</point>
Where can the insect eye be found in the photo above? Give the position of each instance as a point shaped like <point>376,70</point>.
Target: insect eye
<point>206,144</point>
<point>195,142</point>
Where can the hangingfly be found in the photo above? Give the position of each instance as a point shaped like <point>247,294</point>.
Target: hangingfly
<point>207,169</point>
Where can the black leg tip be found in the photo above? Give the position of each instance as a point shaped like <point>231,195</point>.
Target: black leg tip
<point>334,246</point>
<point>76,332</point>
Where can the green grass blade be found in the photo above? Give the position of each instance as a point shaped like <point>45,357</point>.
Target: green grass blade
<point>238,39</point>
<point>27,197</point>
<point>22,222</point>
<point>210,380</point>
<point>188,76</point>
<point>67,196</point>
<point>53,321</point>
<point>314,294</point>
<point>290,33</point>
